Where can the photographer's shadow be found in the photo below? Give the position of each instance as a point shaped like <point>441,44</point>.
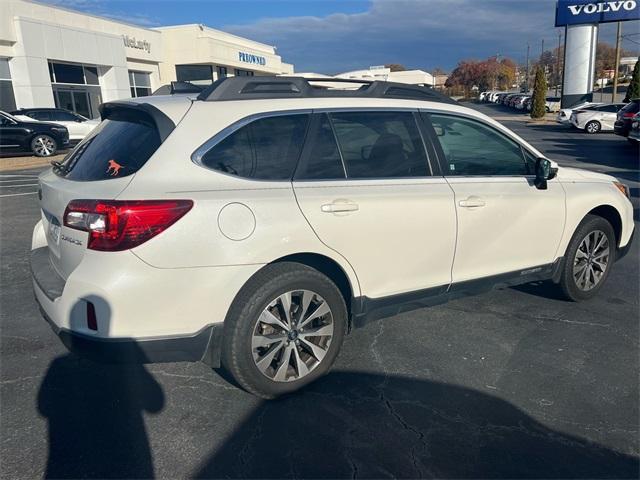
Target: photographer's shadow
<point>95,418</point>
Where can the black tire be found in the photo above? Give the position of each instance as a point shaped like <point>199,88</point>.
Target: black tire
<point>43,145</point>
<point>568,283</point>
<point>592,127</point>
<point>259,292</point>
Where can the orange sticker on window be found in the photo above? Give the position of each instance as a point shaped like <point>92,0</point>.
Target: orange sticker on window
<point>114,168</point>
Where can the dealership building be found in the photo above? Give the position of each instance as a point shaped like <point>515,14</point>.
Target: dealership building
<point>52,56</point>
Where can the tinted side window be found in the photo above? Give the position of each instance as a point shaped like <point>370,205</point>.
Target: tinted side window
<point>631,107</point>
<point>63,117</point>
<point>380,144</point>
<point>323,160</point>
<point>472,148</point>
<point>265,149</point>
<point>40,116</point>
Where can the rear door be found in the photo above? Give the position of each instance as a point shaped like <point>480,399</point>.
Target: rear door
<point>100,167</point>
<point>366,186</point>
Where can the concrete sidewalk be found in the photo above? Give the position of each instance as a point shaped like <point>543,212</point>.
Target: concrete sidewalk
<point>9,164</point>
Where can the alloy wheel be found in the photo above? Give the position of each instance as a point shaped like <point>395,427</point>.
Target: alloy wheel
<point>593,127</point>
<point>292,335</point>
<point>591,260</point>
<point>44,146</point>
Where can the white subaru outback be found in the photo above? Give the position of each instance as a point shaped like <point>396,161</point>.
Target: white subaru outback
<point>253,226</point>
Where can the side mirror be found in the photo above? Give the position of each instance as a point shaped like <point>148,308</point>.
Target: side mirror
<point>544,171</point>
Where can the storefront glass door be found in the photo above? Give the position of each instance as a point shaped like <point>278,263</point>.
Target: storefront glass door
<point>78,101</point>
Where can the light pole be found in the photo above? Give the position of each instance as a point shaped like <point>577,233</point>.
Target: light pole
<point>557,79</point>
<point>617,67</point>
<point>528,49</point>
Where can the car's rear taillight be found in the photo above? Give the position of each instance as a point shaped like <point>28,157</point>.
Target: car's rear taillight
<point>115,225</point>
<point>628,115</point>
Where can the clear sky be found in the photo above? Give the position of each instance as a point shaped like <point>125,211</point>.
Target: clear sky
<point>332,36</point>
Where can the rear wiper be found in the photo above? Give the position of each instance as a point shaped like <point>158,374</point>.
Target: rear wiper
<point>59,166</point>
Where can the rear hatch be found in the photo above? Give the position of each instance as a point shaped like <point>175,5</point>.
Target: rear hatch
<point>100,167</point>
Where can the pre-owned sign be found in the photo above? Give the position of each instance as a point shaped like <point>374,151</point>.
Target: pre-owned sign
<point>573,12</point>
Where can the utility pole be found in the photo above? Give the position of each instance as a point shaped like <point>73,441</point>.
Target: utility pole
<point>617,67</point>
<point>542,65</point>
<point>528,48</point>
<point>557,79</point>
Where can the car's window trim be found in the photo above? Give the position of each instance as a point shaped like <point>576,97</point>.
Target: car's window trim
<point>440,152</point>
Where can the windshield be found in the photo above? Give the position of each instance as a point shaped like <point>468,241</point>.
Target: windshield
<point>9,116</point>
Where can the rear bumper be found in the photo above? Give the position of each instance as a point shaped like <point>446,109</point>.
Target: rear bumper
<point>204,346</point>
<point>152,321</point>
<point>621,128</point>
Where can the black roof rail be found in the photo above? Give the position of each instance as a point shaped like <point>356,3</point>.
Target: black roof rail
<point>270,87</point>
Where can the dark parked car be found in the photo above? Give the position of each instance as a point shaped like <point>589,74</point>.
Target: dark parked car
<point>622,126</point>
<point>41,138</point>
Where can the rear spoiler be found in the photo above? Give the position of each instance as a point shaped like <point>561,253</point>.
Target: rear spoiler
<point>139,112</point>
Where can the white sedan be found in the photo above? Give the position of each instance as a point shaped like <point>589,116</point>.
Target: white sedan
<point>596,118</point>
<point>78,126</point>
<point>564,116</point>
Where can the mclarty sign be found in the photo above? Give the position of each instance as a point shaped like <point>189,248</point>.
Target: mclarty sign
<point>132,42</point>
<point>573,12</point>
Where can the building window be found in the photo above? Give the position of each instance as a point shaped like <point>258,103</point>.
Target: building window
<point>194,73</point>
<point>222,72</point>
<point>243,73</point>
<point>7,98</point>
<point>71,73</point>
<point>140,83</point>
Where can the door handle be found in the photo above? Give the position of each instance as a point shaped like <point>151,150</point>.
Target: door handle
<point>472,202</point>
<point>339,207</point>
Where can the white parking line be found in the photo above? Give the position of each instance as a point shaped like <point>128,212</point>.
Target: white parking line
<point>18,194</point>
<point>16,186</point>
<point>15,176</point>
<point>17,180</point>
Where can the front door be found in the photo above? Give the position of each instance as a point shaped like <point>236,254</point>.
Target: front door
<point>371,197</point>
<point>505,224</point>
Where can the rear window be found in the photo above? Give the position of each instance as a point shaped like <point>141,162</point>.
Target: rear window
<point>632,107</point>
<point>118,147</point>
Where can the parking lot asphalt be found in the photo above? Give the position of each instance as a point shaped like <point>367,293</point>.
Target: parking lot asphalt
<point>513,383</point>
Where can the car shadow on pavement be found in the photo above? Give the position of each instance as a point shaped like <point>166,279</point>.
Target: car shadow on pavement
<point>605,149</point>
<point>95,415</point>
<point>367,425</point>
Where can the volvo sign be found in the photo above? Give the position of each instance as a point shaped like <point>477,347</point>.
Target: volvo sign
<point>580,18</point>
<point>576,12</point>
